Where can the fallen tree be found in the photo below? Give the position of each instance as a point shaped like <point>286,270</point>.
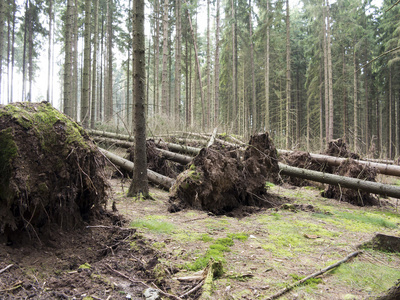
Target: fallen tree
<point>352,183</point>
<point>154,177</point>
<point>385,169</point>
<point>182,159</point>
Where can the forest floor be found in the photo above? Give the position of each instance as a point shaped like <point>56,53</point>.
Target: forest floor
<point>263,251</point>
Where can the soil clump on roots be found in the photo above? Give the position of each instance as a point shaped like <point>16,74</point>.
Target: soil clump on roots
<point>52,173</point>
<point>350,168</point>
<point>221,180</point>
<point>338,148</point>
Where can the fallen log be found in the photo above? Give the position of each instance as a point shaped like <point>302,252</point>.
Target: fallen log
<point>392,170</point>
<point>182,159</point>
<point>113,135</point>
<point>351,183</point>
<point>154,177</point>
<point>180,148</point>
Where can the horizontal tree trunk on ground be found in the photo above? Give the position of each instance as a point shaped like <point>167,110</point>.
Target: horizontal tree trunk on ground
<point>347,182</point>
<point>113,135</point>
<point>392,170</point>
<point>182,159</point>
<point>154,177</point>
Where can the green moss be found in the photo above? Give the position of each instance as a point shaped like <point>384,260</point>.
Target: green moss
<point>366,276</point>
<point>225,241</point>
<point>159,245</point>
<point>239,236</point>
<point>154,225</point>
<point>312,281</point>
<point>8,151</point>
<point>41,119</point>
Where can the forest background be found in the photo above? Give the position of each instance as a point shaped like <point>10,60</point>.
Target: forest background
<point>306,73</point>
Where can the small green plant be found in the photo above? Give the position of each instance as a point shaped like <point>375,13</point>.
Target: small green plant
<point>85,266</point>
<point>312,281</point>
<point>269,185</point>
<point>206,238</point>
<point>239,236</point>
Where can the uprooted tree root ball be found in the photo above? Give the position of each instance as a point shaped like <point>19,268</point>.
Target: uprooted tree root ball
<point>338,148</point>
<point>220,180</point>
<point>52,173</point>
<point>350,168</point>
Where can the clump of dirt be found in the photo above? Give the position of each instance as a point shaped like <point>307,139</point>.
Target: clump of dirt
<point>301,159</point>
<point>52,173</point>
<point>156,161</point>
<point>219,180</point>
<point>350,168</point>
<point>338,148</point>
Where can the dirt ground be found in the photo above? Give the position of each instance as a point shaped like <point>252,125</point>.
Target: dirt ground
<point>271,248</point>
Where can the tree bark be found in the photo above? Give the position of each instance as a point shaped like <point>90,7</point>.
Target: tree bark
<point>355,110</point>
<point>154,177</point>
<point>347,182</point>
<point>178,48</point>
<point>85,97</point>
<point>139,183</point>
<point>330,80</point>
<point>68,60</point>
<point>108,103</point>
<point>386,169</point>
<point>326,79</point>
<point>253,76</point>
<point>49,62</point>
<point>196,53</point>
<point>164,78</point>
<point>2,40</point>
<point>267,122</point>
<point>288,80</point>
<point>216,76</point>
<point>94,69</point>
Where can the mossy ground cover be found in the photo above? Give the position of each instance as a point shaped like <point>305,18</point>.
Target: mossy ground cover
<point>265,251</point>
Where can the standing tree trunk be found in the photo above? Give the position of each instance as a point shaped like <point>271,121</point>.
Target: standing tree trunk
<point>2,40</point>
<point>288,81</point>
<point>208,68</point>
<point>94,66</point>
<point>49,62</point>
<point>11,99</point>
<point>389,114</point>
<point>75,69</point>
<point>157,56</point>
<point>267,122</point>
<point>24,51</point>
<point>355,115</point>
<point>108,103</point>
<point>216,76</point>
<point>86,68</point>
<point>164,78</point>
<point>330,80</point>
<point>253,77</point>
<point>198,70</point>
<point>344,98</point>
<point>68,59</point>
<point>326,79</point>
<point>178,42</point>
<point>234,70</point>
<point>139,185</point>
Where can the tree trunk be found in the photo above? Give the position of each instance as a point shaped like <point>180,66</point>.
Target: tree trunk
<point>74,85</point>
<point>139,183</point>
<point>234,70</point>
<point>178,42</point>
<point>355,116</point>
<point>154,177</point>
<point>326,79</point>
<point>164,78</point>
<point>389,114</point>
<point>94,69</point>
<point>330,80</point>
<point>347,182</point>
<point>11,99</point>
<point>2,40</point>
<point>85,97</point>
<point>157,56</point>
<point>267,121</point>
<point>49,61</point>
<point>68,60</point>
<point>109,103</point>
<point>208,120</point>
<point>216,76</point>
<point>253,76</point>
<point>198,70</point>
<point>288,80</point>
<point>23,98</point>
